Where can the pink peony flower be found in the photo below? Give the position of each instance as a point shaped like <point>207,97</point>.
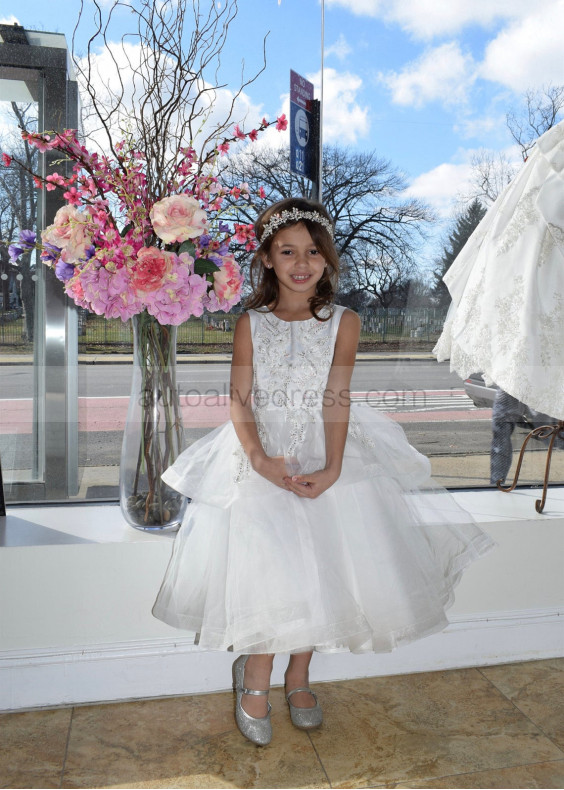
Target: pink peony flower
<point>238,133</point>
<point>282,123</point>
<point>70,232</point>
<point>6,160</point>
<point>227,284</point>
<point>79,242</point>
<point>223,148</point>
<point>150,270</point>
<point>181,294</point>
<point>178,218</point>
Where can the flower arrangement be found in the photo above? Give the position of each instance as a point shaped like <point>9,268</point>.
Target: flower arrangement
<point>132,243</point>
<point>120,250</point>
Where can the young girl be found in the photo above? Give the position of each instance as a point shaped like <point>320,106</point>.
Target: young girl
<point>313,525</point>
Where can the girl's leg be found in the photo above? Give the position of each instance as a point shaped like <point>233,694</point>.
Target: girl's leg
<point>297,676</point>
<point>257,676</point>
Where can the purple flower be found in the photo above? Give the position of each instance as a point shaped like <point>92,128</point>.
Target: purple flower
<point>204,240</point>
<point>63,271</point>
<point>50,252</point>
<point>14,252</point>
<point>224,227</point>
<point>27,238</point>
<point>216,258</point>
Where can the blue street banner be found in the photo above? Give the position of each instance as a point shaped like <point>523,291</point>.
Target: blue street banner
<point>303,134</point>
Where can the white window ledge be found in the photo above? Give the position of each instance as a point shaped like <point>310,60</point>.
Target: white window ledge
<point>80,523</point>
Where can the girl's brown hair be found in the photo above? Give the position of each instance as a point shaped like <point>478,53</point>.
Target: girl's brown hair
<point>264,281</point>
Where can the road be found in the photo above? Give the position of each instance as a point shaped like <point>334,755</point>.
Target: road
<point>96,381</point>
<point>420,394</point>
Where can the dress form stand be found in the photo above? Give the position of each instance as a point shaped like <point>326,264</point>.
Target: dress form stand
<point>551,432</point>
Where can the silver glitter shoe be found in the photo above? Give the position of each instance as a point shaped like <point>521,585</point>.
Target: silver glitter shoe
<point>257,730</point>
<point>305,718</point>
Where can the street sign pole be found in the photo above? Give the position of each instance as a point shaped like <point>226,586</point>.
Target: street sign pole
<point>304,131</point>
<point>316,154</point>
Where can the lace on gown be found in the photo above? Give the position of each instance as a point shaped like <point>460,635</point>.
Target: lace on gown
<point>507,287</point>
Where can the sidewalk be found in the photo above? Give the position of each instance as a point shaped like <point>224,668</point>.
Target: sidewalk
<point>182,359</point>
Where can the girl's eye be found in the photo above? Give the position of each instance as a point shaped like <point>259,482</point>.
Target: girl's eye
<point>314,252</point>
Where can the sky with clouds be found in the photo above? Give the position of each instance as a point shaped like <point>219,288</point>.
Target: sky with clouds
<point>425,83</point>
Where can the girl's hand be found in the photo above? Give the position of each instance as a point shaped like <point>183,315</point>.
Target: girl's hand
<point>273,469</point>
<point>312,485</point>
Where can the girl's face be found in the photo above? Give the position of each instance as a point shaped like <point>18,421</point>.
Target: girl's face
<point>296,262</point>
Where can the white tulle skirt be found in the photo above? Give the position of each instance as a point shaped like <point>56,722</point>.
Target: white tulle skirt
<point>369,565</point>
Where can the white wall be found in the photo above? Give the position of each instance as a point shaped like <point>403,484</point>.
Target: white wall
<point>77,586</point>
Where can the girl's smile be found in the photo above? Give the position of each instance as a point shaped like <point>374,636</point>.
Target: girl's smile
<point>296,261</point>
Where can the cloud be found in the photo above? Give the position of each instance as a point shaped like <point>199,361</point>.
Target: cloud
<point>442,74</point>
<point>359,7</point>
<point>427,19</point>
<point>528,51</point>
<point>113,73</point>
<point>340,49</point>
<point>9,20</point>
<point>441,186</point>
<point>486,126</point>
<point>344,120</point>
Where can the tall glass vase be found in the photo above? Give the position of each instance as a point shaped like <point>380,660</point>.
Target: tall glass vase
<point>153,436</point>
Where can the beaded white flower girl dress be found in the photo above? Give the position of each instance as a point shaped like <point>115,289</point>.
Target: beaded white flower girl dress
<point>368,565</point>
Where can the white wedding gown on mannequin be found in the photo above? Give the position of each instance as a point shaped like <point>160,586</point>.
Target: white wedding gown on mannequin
<point>507,286</point>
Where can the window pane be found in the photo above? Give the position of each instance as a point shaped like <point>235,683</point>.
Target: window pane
<point>21,294</point>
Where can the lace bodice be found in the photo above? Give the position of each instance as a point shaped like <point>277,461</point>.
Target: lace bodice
<point>291,364</point>
<point>291,361</point>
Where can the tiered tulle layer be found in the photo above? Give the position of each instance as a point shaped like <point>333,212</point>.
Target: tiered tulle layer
<point>367,566</point>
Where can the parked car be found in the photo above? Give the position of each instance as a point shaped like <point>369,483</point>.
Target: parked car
<point>483,397</point>
<point>478,391</point>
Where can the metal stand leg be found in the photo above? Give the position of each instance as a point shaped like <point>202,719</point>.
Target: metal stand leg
<point>551,432</point>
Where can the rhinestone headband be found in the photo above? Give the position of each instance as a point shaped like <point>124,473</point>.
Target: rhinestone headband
<point>295,215</point>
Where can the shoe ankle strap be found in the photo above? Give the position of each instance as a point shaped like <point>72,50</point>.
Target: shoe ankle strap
<point>302,688</point>
<point>255,692</point>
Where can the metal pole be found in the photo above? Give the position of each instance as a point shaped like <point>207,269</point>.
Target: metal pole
<point>320,157</point>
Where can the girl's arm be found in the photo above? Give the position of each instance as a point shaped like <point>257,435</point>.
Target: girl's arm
<point>336,408</point>
<point>273,469</point>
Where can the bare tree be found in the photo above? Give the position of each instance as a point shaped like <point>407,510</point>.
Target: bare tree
<point>543,109</point>
<point>491,173</point>
<point>18,211</point>
<point>164,79</point>
<point>377,228</point>
<point>380,275</point>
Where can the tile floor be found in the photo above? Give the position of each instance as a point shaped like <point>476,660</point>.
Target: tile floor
<point>492,727</point>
